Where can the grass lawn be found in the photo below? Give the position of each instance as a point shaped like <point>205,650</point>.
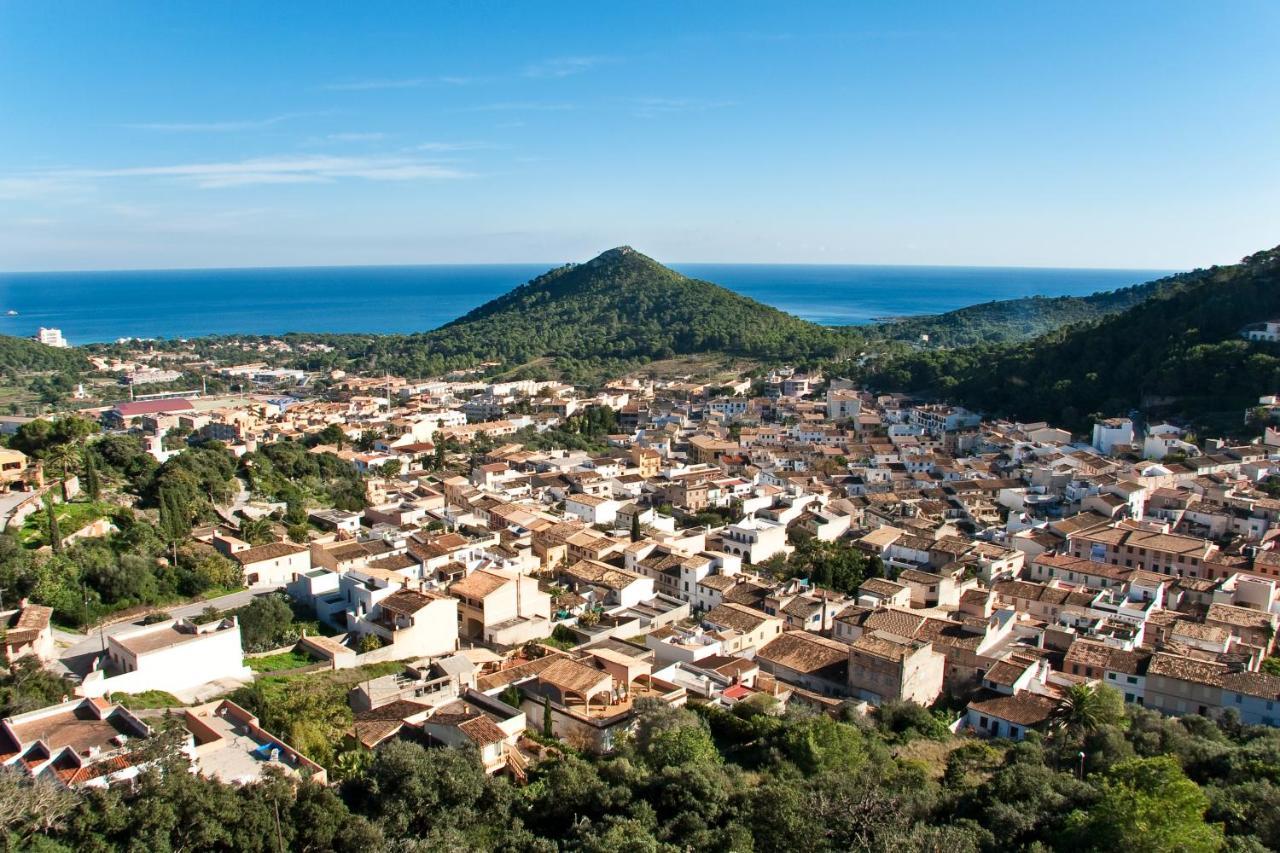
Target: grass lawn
<point>337,681</point>
<point>146,700</point>
<point>71,517</point>
<point>275,663</point>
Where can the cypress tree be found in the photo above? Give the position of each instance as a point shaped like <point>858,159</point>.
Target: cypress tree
<point>635,526</point>
<point>175,521</point>
<point>547,727</point>
<point>55,535</point>
<point>92,482</point>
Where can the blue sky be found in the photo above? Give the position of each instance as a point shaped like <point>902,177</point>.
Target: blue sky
<point>174,134</point>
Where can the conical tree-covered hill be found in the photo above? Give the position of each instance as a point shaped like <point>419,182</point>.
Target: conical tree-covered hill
<point>619,308</point>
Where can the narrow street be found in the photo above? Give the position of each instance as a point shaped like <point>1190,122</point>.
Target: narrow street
<point>77,651</point>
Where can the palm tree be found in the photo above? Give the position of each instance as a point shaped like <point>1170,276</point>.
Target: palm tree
<point>257,531</point>
<point>63,456</point>
<point>1081,710</point>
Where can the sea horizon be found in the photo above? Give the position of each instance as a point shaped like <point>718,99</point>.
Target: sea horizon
<point>98,306</point>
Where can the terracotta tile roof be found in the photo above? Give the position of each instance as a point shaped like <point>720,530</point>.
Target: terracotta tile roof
<point>1186,669</point>
<point>736,616</point>
<point>899,622</point>
<point>805,652</point>
<point>28,624</point>
<point>407,601</point>
<point>528,669</point>
<point>601,574</point>
<point>479,584</point>
<point>1005,673</point>
<point>270,551</point>
<point>718,582</point>
<point>482,731</point>
<point>1259,684</point>
<point>567,674</point>
<point>1022,709</point>
<point>1242,617</point>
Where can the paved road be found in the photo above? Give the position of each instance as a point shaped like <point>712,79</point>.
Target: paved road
<point>8,503</point>
<point>77,651</point>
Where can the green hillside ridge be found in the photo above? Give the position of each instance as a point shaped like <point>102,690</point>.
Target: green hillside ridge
<point>1009,320</point>
<point>19,356</point>
<point>1177,352</point>
<point>622,310</point>
<point>610,314</point>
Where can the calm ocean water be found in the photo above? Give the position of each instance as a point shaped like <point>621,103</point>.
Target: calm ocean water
<point>92,307</point>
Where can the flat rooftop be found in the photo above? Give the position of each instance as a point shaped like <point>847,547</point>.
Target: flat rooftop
<point>78,728</point>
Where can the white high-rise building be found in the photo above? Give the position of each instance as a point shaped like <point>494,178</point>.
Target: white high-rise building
<point>51,338</point>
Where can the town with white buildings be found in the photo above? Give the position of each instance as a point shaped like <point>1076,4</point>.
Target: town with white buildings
<point>507,586</point>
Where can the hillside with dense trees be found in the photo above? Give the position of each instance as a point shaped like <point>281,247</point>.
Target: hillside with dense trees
<point>617,311</point>
<point>1008,320</point>
<point>1179,351</point>
<point>20,356</point>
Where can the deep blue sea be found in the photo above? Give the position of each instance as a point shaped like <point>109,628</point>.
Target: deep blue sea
<point>91,307</point>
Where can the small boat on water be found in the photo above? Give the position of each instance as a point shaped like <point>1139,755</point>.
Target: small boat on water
<point>11,313</point>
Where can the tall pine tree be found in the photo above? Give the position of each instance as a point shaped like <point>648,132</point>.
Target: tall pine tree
<point>175,520</point>
<point>92,482</point>
<point>55,535</point>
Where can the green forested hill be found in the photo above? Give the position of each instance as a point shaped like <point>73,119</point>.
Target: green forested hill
<point>613,312</point>
<point>1179,350</point>
<point>20,356</point>
<point>1011,320</point>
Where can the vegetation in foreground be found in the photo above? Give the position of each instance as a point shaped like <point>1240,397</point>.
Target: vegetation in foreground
<point>744,780</point>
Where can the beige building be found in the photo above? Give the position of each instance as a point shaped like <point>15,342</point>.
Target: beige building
<point>27,631</point>
<point>1179,685</point>
<point>885,667</point>
<point>1144,546</point>
<point>13,466</point>
<point>274,564</point>
<point>410,623</point>
<point>739,628</point>
<point>501,608</point>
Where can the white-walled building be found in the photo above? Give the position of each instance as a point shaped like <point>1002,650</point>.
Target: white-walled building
<point>1107,434</point>
<point>173,655</point>
<point>51,338</point>
<point>274,564</point>
<point>755,540</point>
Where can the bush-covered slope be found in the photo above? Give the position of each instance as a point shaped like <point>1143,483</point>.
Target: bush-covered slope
<point>1010,320</point>
<point>619,309</point>
<point>1179,350</point>
<point>20,356</point>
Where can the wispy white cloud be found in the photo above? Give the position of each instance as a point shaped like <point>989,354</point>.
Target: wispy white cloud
<point>45,186</point>
<point>218,126</point>
<point>398,83</point>
<point>521,106</point>
<point>564,66</point>
<point>266,170</point>
<point>454,146</point>
<point>355,137</point>
<point>652,107</point>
